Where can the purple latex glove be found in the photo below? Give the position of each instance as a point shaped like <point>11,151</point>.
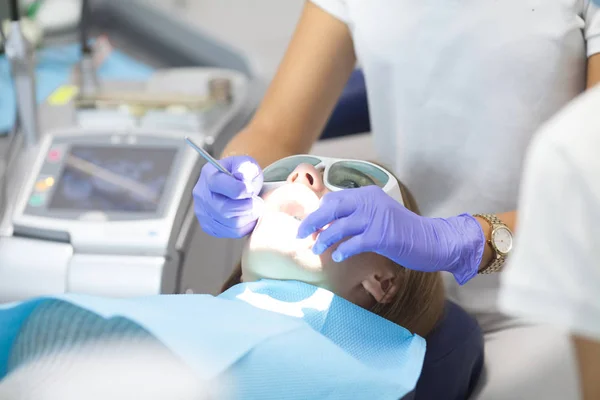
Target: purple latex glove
<point>229,207</point>
<point>375,222</point>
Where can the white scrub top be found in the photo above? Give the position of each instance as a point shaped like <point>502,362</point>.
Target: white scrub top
<point>456,90</point>
<point>554,274</point>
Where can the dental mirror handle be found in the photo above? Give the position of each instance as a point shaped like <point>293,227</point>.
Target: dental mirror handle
<point>207,156</point>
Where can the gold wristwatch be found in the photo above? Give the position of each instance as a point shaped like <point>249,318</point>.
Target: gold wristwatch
<point>501,241</point>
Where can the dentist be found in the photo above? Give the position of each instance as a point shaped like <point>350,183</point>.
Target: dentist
<point>456,91</point>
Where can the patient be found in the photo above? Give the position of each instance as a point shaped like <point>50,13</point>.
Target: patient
<point>293,187</point>
<point>272,254</point>
<point>412,299</point>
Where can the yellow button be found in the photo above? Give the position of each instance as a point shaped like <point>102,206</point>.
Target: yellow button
<point>63,95</point>
<point>44,184</point>
<point>40,186</point>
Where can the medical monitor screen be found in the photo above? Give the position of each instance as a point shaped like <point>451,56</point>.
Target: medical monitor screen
<point>113,179</point>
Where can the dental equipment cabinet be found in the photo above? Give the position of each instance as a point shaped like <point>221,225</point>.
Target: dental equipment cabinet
<point>97,200</point>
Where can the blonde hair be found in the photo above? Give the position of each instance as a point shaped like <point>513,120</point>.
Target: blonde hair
<point>419,304</point>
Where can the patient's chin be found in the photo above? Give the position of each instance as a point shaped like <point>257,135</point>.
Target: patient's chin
<point>273,251</point>
<point>272,264</point>
<point>278,232</point>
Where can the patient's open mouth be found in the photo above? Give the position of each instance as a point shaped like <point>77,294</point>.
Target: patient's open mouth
<point>294,209</point>
<point>286,207</point>
<point>295,200</point>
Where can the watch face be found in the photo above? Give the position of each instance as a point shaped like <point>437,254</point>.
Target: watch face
<point>503,240</point>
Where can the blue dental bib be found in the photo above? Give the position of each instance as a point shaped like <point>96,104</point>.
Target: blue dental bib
<point>271,339</point>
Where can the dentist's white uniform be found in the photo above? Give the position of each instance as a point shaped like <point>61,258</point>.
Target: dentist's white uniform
<point>456,90</point>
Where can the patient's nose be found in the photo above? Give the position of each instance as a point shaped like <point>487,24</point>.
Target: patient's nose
<point>307,175</point>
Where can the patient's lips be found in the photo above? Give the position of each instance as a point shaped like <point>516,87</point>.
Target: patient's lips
<point>296,200</point>
<point>294,209</point>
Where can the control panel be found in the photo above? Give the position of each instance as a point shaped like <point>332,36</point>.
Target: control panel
<point>119,192</point>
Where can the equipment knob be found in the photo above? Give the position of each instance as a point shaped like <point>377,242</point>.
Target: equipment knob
<point>220,91</point>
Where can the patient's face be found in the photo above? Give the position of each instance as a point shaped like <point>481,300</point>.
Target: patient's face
<point>274,252</point>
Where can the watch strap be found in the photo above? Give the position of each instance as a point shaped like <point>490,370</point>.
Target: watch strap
<point>491,219</point>
<point>494,266</point>
<point>498,260</point>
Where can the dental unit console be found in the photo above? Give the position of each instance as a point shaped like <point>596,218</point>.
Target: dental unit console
<point>105,208</point>
<point>96,194</point>
<point>103,212</point>
<point>106,192</point>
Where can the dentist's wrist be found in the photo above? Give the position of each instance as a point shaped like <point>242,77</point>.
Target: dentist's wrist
<point>488,251</point>
<point>472,248</point>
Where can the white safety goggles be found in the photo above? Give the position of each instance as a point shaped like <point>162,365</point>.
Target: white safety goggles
<point>338,174</point>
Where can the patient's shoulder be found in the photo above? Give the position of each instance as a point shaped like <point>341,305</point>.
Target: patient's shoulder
<point>454,357</point>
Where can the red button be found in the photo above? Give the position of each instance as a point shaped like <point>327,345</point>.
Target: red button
<point>54,155</point>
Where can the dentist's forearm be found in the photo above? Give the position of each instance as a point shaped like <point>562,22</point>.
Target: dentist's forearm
<point>588,355</point>
<point>510,219</point>
<point>264,147</point>
<point>301,97</point>
<point>593,75</point>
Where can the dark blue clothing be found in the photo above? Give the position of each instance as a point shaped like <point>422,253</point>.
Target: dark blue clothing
<point>454,358</point>
<point>351,114</point>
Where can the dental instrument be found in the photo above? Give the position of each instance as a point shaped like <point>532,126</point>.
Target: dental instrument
<point>207,156</point>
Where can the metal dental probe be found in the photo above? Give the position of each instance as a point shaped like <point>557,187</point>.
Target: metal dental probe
<point>207,156</point>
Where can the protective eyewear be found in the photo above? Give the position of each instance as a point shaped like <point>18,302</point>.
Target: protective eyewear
<point>338,174</point>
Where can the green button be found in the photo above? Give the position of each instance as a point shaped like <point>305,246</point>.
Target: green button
<point>36,200</point>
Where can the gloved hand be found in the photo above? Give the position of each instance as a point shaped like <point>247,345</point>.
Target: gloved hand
<point>375,222</point>
<point>229,207</point>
